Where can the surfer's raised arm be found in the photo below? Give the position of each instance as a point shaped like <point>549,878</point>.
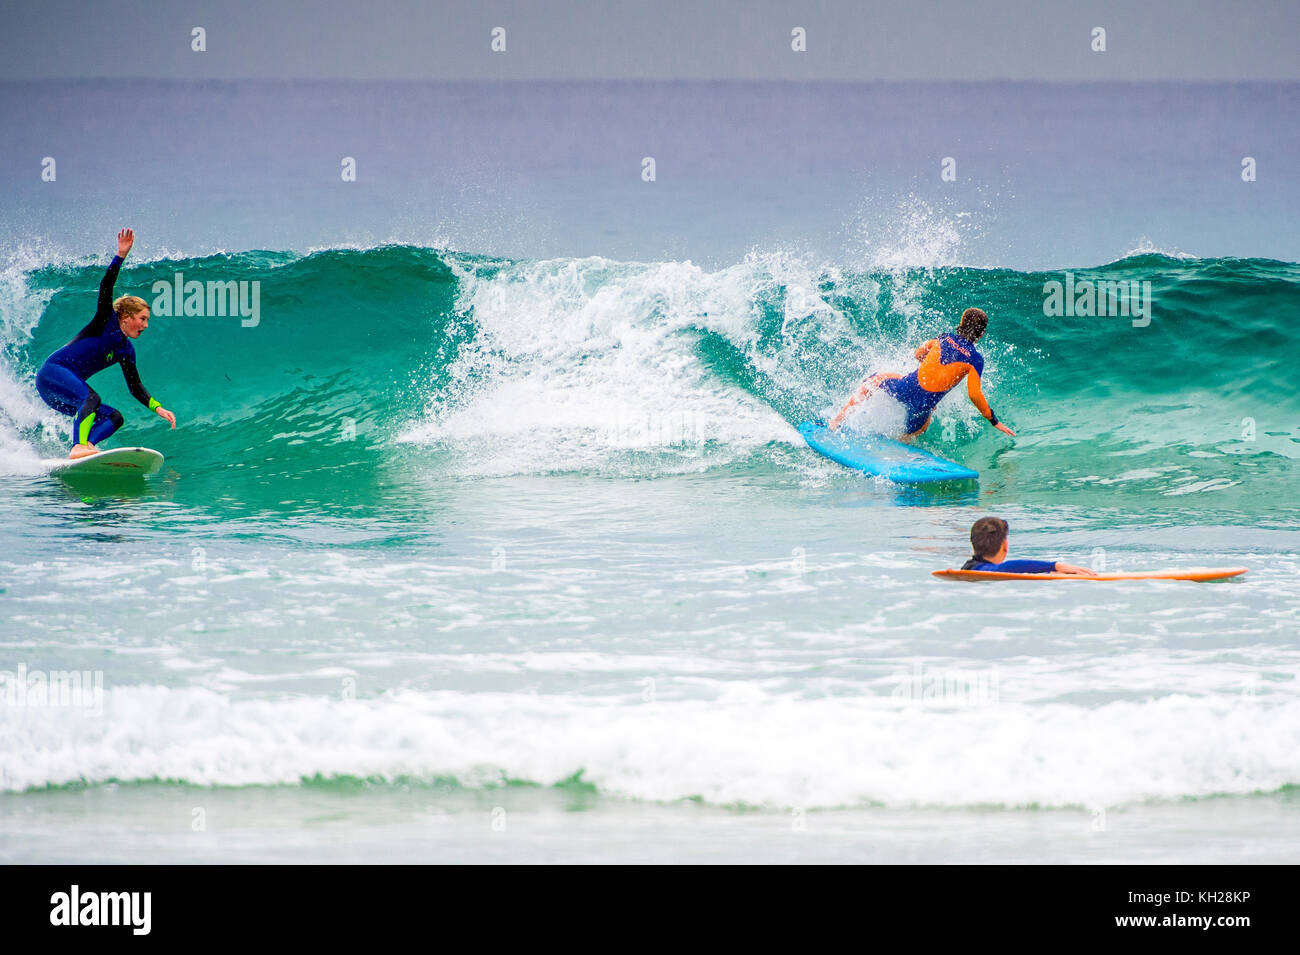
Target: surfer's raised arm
<point>125,239</point>
<point>104,308</point>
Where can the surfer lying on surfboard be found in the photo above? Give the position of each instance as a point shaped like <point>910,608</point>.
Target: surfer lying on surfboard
<point>945,361</point>
<point>988,541</point>
<point>105,341</point>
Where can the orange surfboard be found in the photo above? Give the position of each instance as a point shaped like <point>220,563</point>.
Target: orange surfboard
<point>1218,573</point>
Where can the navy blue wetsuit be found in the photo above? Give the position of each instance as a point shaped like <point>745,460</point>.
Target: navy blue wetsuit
<point>62,379</point>
<point>1011,566</point>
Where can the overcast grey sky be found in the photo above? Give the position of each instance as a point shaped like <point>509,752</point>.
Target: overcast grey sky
<point>656,39</point>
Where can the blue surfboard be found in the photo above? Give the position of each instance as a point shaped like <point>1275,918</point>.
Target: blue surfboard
<point>876,454</point>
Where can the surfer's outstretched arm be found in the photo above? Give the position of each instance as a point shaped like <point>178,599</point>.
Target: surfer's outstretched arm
<point>125,239</point>
<point>104,308</point>
<point>141,394</point>
<point>976,394</point>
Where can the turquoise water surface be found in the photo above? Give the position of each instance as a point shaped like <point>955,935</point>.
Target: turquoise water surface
<point>471,556</point>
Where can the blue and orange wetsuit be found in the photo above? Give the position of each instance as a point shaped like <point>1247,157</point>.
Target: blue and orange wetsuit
<point>945,361</point>
<point>62,379</point>
<point>1011,566</point>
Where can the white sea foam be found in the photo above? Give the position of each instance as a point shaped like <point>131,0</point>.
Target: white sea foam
<point>580,363</point>
<point>586,364</point>
<point>20,407</point>
<point>917,235</point>
<point>1145,246</point>
<point>748,746</point>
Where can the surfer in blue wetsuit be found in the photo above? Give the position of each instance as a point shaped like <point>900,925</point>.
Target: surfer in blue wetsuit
<point>945,361</point>
<point>105,341</point>
<point>988,541</point>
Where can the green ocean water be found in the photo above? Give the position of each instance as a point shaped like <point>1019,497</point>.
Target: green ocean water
<point>356,350</point>
<point>540,535</point>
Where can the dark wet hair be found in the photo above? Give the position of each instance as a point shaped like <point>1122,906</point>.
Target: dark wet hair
<point>987,535</point>
<point>973,323</point>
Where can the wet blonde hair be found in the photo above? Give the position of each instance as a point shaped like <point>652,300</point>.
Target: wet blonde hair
<point>129,305</point>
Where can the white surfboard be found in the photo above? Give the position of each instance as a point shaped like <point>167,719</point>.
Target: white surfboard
<point>123,462</point>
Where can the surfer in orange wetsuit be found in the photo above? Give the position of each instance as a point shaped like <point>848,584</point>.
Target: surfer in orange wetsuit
<point>945,361</point>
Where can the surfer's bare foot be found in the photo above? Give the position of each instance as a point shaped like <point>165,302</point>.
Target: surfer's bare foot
<point>81,450</point>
